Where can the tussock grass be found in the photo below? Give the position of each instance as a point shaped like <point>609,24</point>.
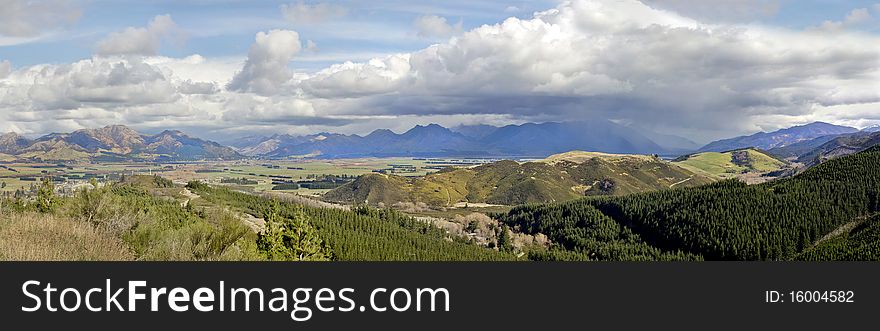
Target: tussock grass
<point>41,237</point>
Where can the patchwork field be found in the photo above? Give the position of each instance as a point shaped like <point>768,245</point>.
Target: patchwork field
<point>319,176</point>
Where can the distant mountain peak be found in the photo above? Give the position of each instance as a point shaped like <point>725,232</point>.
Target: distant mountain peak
<point>779,138</point>
<point>428,128</point>
<point>530,139</point>
<point>381,134</point>
<point>176,133</point>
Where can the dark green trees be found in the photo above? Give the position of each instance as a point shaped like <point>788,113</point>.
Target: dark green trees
<point>290,239</point>
<point>505,244</point>
<point>728,220</point>
<point>360,234</point>
<point>46,199</point>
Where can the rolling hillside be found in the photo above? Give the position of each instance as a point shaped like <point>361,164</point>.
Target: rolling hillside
<point>732,164</point>
<point>558,178</point>
<point>727,220</point>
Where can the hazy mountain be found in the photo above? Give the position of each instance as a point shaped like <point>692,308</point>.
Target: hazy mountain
<point>873,128</point>
<point>780,138</point>
<point>245,142</point>
<point>840,146</point>
<point>477,132</point>
<point>670,142</point>
<point>116,141</point>
<point>530,139</point>
<point>795,150</point>
<point>419,141</point>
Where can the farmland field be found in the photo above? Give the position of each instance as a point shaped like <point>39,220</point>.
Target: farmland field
<point>253,175</point>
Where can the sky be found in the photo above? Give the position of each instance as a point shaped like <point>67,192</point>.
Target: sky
<point>223,69</point>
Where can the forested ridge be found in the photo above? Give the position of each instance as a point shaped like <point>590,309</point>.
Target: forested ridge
<point>362,234</point>
<point>728,220</point>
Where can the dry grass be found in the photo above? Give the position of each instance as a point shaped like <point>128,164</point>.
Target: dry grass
<point>38,237</point>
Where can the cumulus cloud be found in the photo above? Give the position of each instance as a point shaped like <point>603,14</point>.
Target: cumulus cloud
<point>433,26</point>
<point>99,81</point>
<point>257,109</point>
<point>305,13</point>
<point>190,87</point>
<point>378,76</point>
<point>266,69</point>
<point>140,41</point>
<point>5,69</point>
<point>108,90</point>
<point>854,18</point>
<point>620,60</point>
<point>25,18</point>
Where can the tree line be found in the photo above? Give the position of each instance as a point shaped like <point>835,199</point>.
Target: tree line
<point>728,220</point>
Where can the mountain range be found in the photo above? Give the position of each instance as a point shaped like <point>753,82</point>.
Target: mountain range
<point>780,138</point>
<point>805,143</point>
<point>526,140</point>
<point>815,151</point>
<point>115,142</point>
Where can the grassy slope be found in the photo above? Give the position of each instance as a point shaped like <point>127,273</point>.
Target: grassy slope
<point>58,154</point>
<point>559,178</point>
<point>721,165</point>
<point>37,237</point>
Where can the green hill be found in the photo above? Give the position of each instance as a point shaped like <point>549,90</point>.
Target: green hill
<point>860,243</point>
<point>560,177</point>
<point>731,164</point>
<point>728,220</point>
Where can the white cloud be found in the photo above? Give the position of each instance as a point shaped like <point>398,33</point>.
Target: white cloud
<point>266,69</point>
<point>619,60</point>
<point>512,9</point>
<point>190,87</point>
<point>113,82</point>
<point>858,16</point>
<point>5,69</point>
<point>257,109</point>
<point>854,18</point>
<point>304,13</point>
<point>24,18</point>
<point>608,59</point>
<point>433,26</point>
<point>140,41</point>
<point>378,76</point>
<point>311,46</point>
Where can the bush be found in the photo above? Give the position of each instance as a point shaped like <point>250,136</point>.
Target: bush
<point>290,239</point>
<point>46,197</point>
